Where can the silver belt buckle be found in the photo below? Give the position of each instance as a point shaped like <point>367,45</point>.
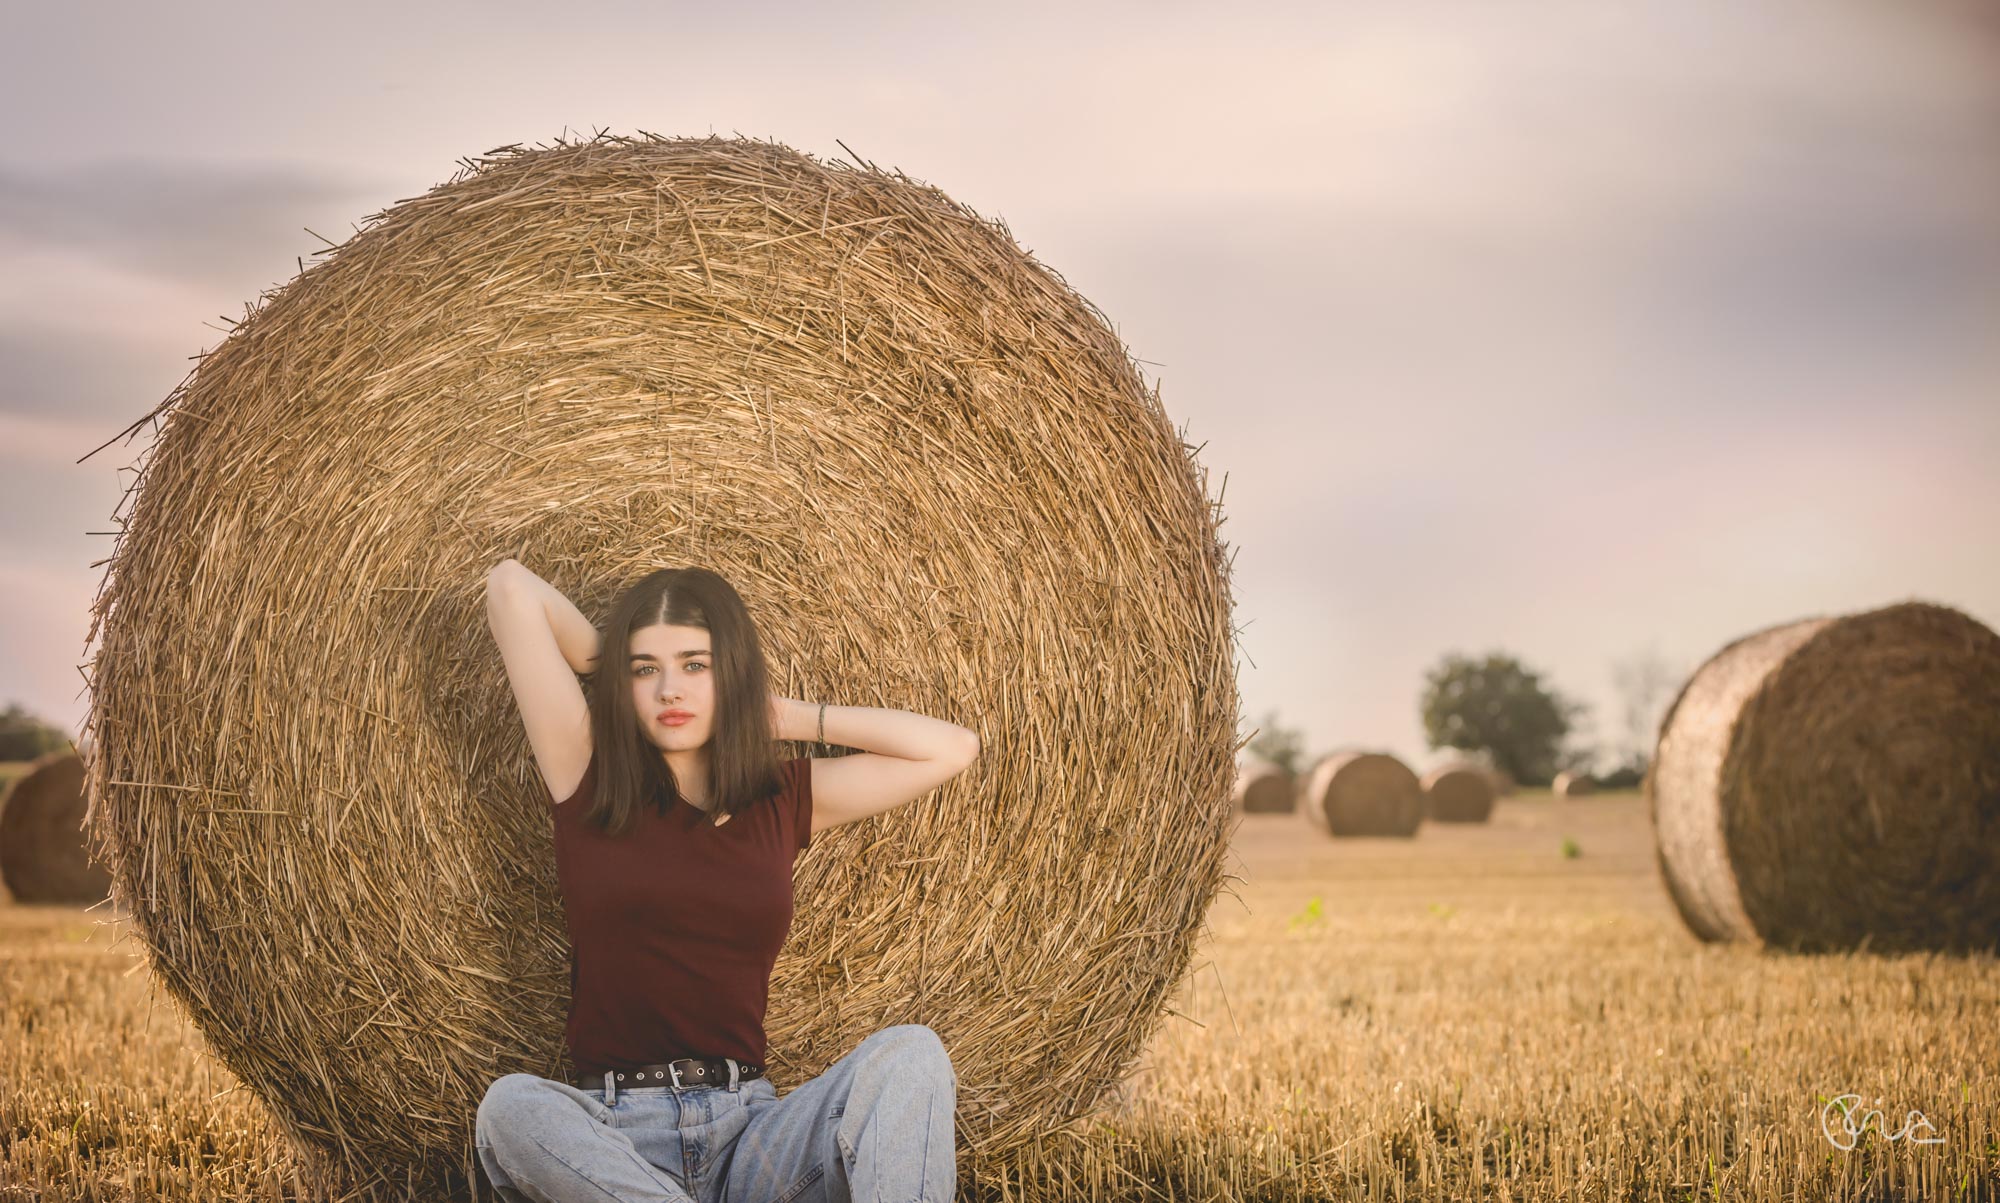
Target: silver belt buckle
<point>732,1074</point>
<point>674,1072</point>
<point>610,1087</point>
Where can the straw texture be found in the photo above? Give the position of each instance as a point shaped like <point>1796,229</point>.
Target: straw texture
<point>43,857</point>
<point>1572,785</point>
<point>1834,783</point>
<point>930,467</point>
<point>1458,793</point>
<point>1265,790</point>
<point>1364,793</point>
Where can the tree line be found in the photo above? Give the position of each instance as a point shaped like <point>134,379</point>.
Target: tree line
<point>1497,709</point>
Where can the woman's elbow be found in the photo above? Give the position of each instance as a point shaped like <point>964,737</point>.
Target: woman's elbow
<point>971,741</point>
<point>500,580</point>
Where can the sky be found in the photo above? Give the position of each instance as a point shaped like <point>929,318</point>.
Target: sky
<point>1573,331</point>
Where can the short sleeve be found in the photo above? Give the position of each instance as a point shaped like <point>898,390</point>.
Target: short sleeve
<point>802,798</point>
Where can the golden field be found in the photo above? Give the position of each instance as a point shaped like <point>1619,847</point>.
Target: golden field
<point>1470,1014</point>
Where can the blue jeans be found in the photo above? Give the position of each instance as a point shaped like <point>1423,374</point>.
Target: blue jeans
<point>876,1126</point>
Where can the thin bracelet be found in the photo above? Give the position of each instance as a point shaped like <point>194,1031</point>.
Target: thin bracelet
<point>822,724</point>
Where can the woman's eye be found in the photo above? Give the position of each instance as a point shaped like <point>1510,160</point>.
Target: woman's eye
<point>696,664</point>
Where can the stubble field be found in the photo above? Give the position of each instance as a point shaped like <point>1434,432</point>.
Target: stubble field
<point>1470,1014</point>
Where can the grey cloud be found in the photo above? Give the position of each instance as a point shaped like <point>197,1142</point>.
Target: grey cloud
<point>1794,283</point>
<point>49,506</point>
<point>51,373</point>
<point>186,220</point>
<point>1814,290</point>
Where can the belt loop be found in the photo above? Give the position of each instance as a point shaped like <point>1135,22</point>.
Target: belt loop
<point>610,1087</point>
<point>732,1074</point>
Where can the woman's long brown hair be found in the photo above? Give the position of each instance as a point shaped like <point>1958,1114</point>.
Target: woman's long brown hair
<point>743,766</point>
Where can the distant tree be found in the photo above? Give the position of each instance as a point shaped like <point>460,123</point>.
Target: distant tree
<point>1625,776</point>
<point>1580,752</point>
<point>24,736</point>
<point>1498,708</point>
<point>1646,683</point>
<point>1283,747</point>
<point>1578,756</point>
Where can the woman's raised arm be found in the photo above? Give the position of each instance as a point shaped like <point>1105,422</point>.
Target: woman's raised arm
<point>904,756</point>
<point>538,630</point>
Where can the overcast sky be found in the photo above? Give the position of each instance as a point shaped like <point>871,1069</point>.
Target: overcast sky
<point>1569,330</point>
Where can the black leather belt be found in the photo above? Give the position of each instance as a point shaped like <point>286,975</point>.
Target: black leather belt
<point>683,1074</point>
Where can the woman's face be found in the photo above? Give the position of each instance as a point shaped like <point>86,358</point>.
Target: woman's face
<point>671,670</point>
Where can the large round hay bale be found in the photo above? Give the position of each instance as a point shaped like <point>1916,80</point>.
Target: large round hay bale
<point>1573,785</point>
<point>1364,793</point>
<point>931,468</point>
<point>1261,789</point>
<point>43,855</point>
<point>1458,793</point>
<point>1503,781</point>
<point>1835,782</point>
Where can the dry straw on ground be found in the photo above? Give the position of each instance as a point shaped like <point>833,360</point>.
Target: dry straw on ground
<point>43,857</point>
<point>1458,793</point>
<point>1573,785</point>
<point>931,468</point>
<point>1834,783</point>
<point>1363,793</point>
<point>1264,790</point>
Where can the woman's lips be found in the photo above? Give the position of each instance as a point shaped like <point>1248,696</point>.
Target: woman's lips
<point>675,720</point>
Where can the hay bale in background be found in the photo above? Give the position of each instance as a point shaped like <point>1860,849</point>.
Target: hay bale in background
<point>1836,781</point>
<point>1573,785</point>
<point>1498,779</point>
<point>1458,793</point>
<point>43,853</point>
<point>1364,793</point>
<point>863,404</point>
<point>1261,789</point>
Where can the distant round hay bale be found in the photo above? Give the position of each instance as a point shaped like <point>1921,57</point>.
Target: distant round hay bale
<point>1573,785</point>
<point>933,471</point>
<point>1458,793</point>
<point>1503,781</point>
<point>43,854</point>
<point>1364,793</point>
<point>1264,790</point>
<point>1835,782</point>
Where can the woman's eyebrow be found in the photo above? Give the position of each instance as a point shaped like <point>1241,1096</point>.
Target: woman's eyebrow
<point>677,655</point>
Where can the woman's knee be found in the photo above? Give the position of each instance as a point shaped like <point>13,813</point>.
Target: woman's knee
<point>507,1101</point>
<point>914,1048</point>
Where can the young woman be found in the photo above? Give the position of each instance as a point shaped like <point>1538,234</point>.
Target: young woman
<point>675,832</point>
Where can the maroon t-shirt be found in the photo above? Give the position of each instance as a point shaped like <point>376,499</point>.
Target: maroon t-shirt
<point>675,926</point>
